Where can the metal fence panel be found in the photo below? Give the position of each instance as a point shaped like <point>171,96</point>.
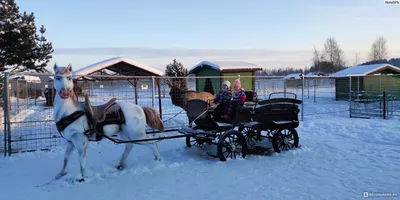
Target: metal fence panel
<point>31,113</point>
<point>3,138</point>
<point>375,96</point>
<point>31,119</point>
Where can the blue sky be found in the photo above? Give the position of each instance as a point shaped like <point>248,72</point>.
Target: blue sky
<point>154,32</point>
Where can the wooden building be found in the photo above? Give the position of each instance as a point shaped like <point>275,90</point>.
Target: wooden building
<point>224,70</point>
<point>367,78</point>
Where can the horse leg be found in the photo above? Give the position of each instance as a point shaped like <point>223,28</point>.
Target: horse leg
<point>156,152</point>
<point>154,148</point>
<point>68,151</point>
<point>128,148</point>
<point>80,144</point>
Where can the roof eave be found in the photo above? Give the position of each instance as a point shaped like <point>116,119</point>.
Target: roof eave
<point>394,68</point>
<point>241,70</point>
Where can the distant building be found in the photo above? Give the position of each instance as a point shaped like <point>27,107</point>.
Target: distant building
<point>293,76</point>
<point>366,78</point>
<point>223,69</point>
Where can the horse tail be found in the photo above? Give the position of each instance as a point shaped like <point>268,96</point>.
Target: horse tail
<point>153,119</point>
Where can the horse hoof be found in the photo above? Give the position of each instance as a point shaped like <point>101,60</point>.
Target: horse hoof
<point>120,167</point>
<point>81,180</point>
<point>59,175</point>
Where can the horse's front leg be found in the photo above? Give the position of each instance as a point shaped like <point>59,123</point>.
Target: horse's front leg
<point>80,144</point>
<point>70,148</point>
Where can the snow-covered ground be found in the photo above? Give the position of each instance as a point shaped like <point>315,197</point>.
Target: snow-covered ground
<point>339,158</point>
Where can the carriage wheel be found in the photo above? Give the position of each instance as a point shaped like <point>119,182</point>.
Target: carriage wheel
<point>231,144</point>
<point>270,134</point>
<point>251,135</point>
<point>190,141</point>
<point>285,139</point>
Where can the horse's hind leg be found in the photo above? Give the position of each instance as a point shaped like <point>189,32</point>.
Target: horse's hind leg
<point>128,148</point>
<point>70,148</point>
<point>154,148</point>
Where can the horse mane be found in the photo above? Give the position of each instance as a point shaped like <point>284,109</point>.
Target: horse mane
<point>74,97</point>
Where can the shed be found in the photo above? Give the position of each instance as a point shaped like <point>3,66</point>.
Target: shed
<point>24,86</point>
<point>27,78</point>
<point>367,78</point>
<point>223,69</point>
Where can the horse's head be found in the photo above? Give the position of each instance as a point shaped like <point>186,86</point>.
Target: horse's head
<point>180,96</point>
<point>63,83</point>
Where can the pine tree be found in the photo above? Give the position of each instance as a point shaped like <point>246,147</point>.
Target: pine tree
<point>21,48</point>
<point>176,69</point>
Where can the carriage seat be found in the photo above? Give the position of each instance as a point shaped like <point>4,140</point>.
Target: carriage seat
<point>199,113</point>
<point>97,114</point>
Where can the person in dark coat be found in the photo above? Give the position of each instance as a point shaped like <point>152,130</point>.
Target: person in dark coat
<point>238,99</point>
<point>222,99</point>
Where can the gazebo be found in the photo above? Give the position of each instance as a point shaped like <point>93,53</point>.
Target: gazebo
<point>118,68</point>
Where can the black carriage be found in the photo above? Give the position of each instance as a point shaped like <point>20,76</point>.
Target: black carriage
<point>276,117</point>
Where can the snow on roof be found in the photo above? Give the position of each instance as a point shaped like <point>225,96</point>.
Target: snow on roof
<point>106,63</point>
<point>27,78</point>
<point>315,74</point>
<point>364,69</point>
<point>295,76</point>
<point>226,65</point>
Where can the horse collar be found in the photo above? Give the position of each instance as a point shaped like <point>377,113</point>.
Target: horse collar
<point>67,120</point>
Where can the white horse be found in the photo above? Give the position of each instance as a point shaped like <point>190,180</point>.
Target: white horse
<point>66,104</point>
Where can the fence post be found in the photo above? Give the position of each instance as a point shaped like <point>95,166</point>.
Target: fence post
<point>315,90</point>
<point>17,93</point>
<point>7,130</point>
<point>159,97</point>
<point>302,97</point>
<point>308,87</point>
<point>284,87</point>
<point>350,95</point>
<point>152,91</point>
<point>384,104</point>
<point>5,109</point>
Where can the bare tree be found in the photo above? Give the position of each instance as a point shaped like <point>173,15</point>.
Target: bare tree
<point>333,53</point>
<point>378,49</point>
<point>356,61</point>
<point>318,57</point>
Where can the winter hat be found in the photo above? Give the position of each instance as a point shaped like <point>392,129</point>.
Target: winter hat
<point>227,83</point>
<point>237,83</point>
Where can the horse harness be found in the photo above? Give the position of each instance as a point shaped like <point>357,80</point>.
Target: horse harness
<point>113,115</point>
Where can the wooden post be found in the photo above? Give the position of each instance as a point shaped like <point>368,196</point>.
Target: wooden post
<point>253,81</point>
<point>135,81</point>
<point>17,93</point>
